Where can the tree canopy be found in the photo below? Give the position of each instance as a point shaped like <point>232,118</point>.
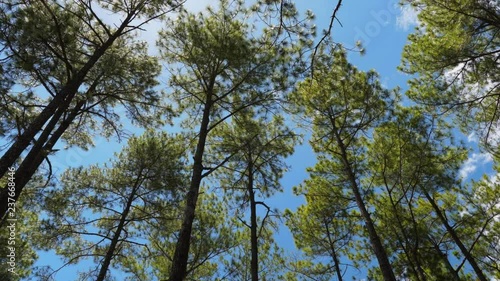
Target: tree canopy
<point>208,130</point>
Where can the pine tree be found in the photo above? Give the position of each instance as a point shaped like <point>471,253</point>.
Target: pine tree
<point>98,212</point>
<point>72,69</point>
<point>344,105</point>
<point>218,69</point>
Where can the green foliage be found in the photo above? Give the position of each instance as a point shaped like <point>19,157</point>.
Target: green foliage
<point>255,147</point>
<point>83,214</point>
<point>272,258</point>
<point>225,63</point>
<point>386,178</point>
<point>49,46</point>
<point>481,221</point>
<point>213,236</point>
<point>249,139</point>
<point>411,155</point>
<point>221,66</point>
<point>16,239</point>
<point>343,105</point>
<point>341,97</point>
<point>455,52</point>
<point>323,228</point>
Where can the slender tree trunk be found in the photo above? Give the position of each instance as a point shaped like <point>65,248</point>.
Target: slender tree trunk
<point>415,247</point>
<point>116,237</point>
<point>181,254</point>
<point>333,252</point>
<point>420,273</point>
<point>378,248</point>
<point>254,263</point>
<point>337,265</point>
<point>456,239</point>
<point>453,273</point>
<point>35,158</point>
<point>410,255</point>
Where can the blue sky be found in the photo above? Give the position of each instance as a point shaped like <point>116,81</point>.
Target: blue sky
<point>381,26</point>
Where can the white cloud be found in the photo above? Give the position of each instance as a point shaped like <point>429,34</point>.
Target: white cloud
<point>472,137</point>
<point>474,94</point>
<point>407,18</point>
<point>195,6</point>
<point>475,160</point>
<point>455,75</point>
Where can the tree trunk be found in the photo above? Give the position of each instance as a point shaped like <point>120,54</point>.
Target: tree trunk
<point>337,265</point>
<point>116,237</point>
<point>456,239</point>
<point>378,248</point>
<point>54,109</point>
<point>181,254</point>
<point>443,256</point>
<point>404,242</point>
<point>254,263</point>
<point>34,159</point>
<point>333,252</point>
<point>61,101</point>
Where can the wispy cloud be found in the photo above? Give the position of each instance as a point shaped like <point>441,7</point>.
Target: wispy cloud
<point>475,160</point>
<point>199,5</point>
<point>407,18</point>
<point>472,137</point>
